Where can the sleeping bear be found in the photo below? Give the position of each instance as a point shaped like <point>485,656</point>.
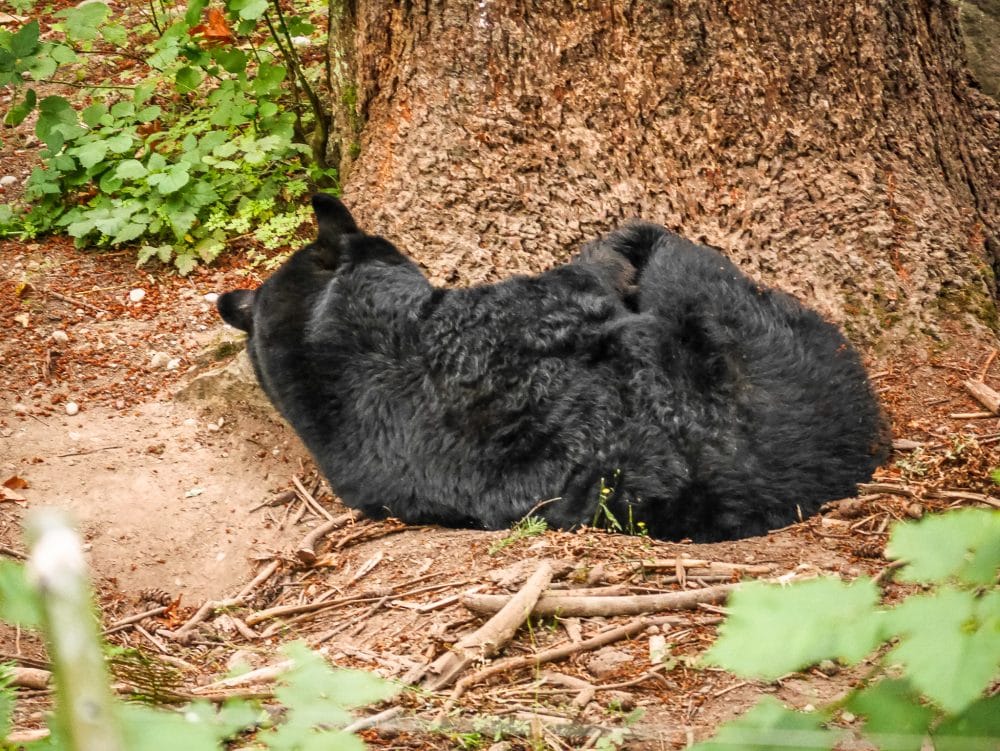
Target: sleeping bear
<point>648,385</point>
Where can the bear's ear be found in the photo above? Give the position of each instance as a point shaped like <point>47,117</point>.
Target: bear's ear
<point>333,219</point>
<point>236,308</point>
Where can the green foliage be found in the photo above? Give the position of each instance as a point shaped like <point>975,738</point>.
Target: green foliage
<point>206,143</point>
<point>315,696</point>
<point>529,526</point>
<point>934,681</point>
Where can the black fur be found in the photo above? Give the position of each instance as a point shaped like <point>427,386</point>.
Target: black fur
<point>703,404</point>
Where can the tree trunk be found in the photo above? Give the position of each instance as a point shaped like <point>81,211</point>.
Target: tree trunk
<point>837,150</point>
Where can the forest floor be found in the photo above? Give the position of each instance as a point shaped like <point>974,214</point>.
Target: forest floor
<point>182,481</point>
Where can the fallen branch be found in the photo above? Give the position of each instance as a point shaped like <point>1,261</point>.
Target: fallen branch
<point>610,636</point>
<point>489,638</point>
<point>32,678</point>
<point>266,674</point>
<point>606,606</point>
<point>984,395</point>
<point>306,551</point>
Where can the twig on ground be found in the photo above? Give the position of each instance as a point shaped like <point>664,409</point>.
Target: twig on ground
<point>78,303</point>
<point>308,498</point>
<point>184,632</point>
<point>986,365</point>
<point>124,623</point>
<point>556,653</point>
<point>306,550</point>
<point>281,498</point>
<point>715,567</point>
<point>13,553</point>
<point>87,451</point>
<point>371,532</point>
<point>606,606</point>
<point>489,638</point>
<point>373,721</point>
<point>266,674</point>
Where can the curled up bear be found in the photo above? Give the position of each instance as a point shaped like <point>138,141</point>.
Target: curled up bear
<point>647,385</point>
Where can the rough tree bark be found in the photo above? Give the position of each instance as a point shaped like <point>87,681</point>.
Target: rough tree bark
<point>836,149</point>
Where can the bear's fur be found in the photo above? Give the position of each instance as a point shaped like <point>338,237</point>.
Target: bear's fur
<point>647,385</point>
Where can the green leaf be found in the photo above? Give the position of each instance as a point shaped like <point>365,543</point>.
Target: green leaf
<point>895,719</point>
<point>22,109</point>
<point>268,78</point>
<point>148,114</point>
<point>128,231</point>
<point>194,10</point>
<point>115,34</point>
<point>143,91</point>
<point>249,10</point>
<point>92,115</point>
<point>185,263</point>
<point>56,122</point>
<point>949,644</point>
<point>41,67</point>
<point>171,180</point>
<point>769,726</point>
<point>83,22</point>
<point>18,602</point>
<point>25,40</point>
<point>231,59</point>
<point>145,729</point>
<point>188,79</point>
<point>123,110</point>
<point>130,169</point>
<point>774,629</point>
<point>120,143</point>
<point>963,544</point>
<point>91,153</point>
<point>976,729</point>
<point>62,54</point>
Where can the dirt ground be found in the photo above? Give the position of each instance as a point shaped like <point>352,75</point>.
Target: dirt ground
<point>181,480</point>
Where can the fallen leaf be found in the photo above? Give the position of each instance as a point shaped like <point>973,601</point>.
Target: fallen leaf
<point>23,318</point>
<point>6,494</point>
<point>15,483</point>
<point>215,30</point>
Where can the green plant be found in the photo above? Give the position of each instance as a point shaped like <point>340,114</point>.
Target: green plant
<point>529,526</point>
<point>210,131</point>
<point>52,594</point>
<point>603,518</point>
<point>933,682</point>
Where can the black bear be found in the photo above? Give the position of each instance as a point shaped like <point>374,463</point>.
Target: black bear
<point>649,385</point>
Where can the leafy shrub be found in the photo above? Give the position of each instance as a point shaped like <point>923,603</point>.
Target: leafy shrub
<point>207,140</point>
<point>933,680</point>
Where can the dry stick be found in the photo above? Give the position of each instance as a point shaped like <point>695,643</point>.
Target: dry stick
<point>306,550</point>
<point>367,723</point>
<point>556,653</point>
<point>984,395</point>
<point>607,606</point>
<point>184,632</point>
<point>986,365</point>
<point>953,495</point>
<point>714,566</point>
<point>489,638</point>
<point>13,553</point>
<point>308,498</point>
<point>126,622</point>
<point>78,303</point>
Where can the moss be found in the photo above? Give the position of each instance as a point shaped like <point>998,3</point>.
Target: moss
<point>969,299</point>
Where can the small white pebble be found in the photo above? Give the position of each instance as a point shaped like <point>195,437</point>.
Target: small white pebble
<point>159,360</point>
<point>72,408</point>
<point>7,180</point>
<point>20,409</point>
<point>212,427</point>
<point>174,363</point>
<point>119,404</point>
<point>137,295</point>
<point>60,336</point>
<point>212,297</point>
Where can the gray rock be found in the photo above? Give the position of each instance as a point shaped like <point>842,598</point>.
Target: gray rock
<point>607,661</point>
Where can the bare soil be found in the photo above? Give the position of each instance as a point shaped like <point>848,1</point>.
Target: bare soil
<point>171,461</point>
